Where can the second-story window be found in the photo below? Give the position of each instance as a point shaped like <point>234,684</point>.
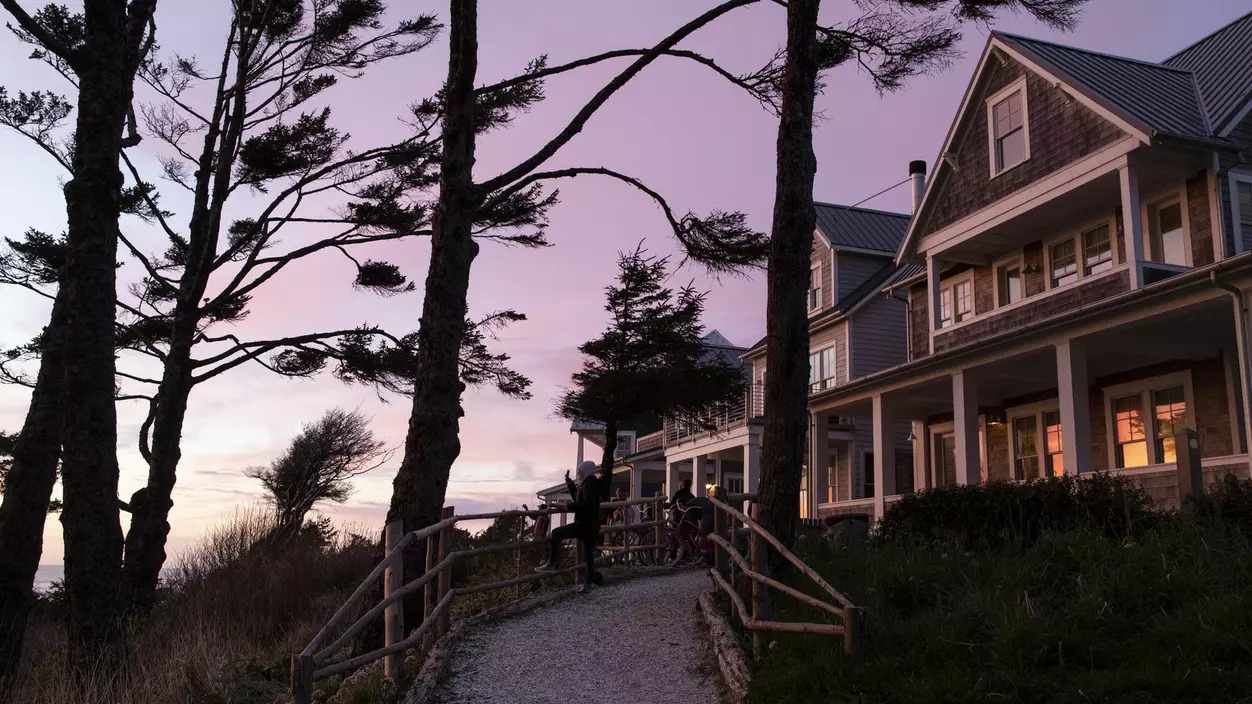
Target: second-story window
<point>1009,283</point>
<point>1008,129</point>
<point>962,294</point>
<point>1097,250</point>
<point>1063,263</point>
<point>945,308</point>
<point>822,370</point>
<point>1166,236</point>
<point>815,288</point>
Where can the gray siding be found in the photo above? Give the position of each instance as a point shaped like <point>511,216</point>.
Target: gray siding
<point>879,336</point>
<point>852,270</point>
<point>841,357</point>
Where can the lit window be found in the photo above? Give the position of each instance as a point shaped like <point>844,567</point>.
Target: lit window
<point>1167,240</point>
<point>1009,283</point>
<point>1170,408</point>
<point>1130,443</point>
<point>832,475</point>
<point>1097,250</point>
<point>1053,443</point>
<point>1064,263</point>
<point>1008,127</point>
<point>964,301</point>
<point>1026,447</point>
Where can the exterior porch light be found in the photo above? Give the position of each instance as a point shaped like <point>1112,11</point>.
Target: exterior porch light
<point>996,416</point>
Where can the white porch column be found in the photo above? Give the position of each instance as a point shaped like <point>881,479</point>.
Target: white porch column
<point>751,465</point>
<point>884,454</point>
<point>965,413</point>
<point>919,456</point>
<point>1074,391</point>
<point>671,479</point>
<point>581,440</point>
<point>636,482</point>
<point>819,446</point>
<point>1243,338</point>
<point>932,288</point>
<point>699,475</point>
<point>1132,223</point>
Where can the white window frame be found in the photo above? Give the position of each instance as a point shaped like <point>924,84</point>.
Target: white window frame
<point>937,431</point>
<point>826,378</point>
<point>1166,195</point>
<point>1235,178</point>
<point>815,279</point>
<point>1001,96</point>
<point>948,285</point>
<point>1036,411</point>
<point>1075,234</point>
<point>1016,259</point>
<point>1145,387</point>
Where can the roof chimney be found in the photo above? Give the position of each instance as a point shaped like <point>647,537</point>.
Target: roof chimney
<point>917,172</point>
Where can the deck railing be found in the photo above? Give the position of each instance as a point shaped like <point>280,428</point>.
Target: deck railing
<point>316,662</point>
<point>729,564</point>
<point>726,415</point>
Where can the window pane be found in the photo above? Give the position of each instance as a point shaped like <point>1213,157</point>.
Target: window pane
<point>1170,409</point>
<point>1245,205</point>
<point>1026,447</point>
<point>1053,443</point>
<point>963,302</point>
<point>1064,263</point>
<point>1168,243</point>
<point>945,308</point>
<point>1097,250</point>
<point>828,367</point>
<point>1011,149</point>
<point>1131,445</point>
<point>1010,285</point>
<point>947,460</point>
<point>815,371</point>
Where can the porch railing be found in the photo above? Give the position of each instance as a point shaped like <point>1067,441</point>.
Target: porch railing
<point>729,564</point>
<point>316,662</point>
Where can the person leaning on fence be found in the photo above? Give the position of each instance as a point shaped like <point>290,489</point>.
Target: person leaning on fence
<point>586,525</point>
<point>539,530</point>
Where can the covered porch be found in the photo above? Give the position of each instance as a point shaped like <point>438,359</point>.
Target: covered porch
<point>1098,392</point>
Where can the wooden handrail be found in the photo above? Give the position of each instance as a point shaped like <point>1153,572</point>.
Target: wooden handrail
<point>797,562</point>
<point>757,576</point>
<point>307,666</point>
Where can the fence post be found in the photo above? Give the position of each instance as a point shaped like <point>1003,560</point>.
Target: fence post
<point>658,514</point>
<point>427,591</point>
<point>393,623</point>
<point>721,560</point>
<point>854,632</point>
<point>521,535</point>
<point>1189,465</point>
<point>445,574</point>
<point>760,592</point>
<point>301,679</point>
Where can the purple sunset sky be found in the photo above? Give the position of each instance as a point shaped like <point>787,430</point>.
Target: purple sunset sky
<point>691,136</point>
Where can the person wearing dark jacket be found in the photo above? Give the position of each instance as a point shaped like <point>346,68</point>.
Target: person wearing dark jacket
<point>586,526</point>
<point>683,495</point>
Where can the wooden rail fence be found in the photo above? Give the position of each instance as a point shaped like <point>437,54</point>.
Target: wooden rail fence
<point>729,564</point>
<point>315,661</point>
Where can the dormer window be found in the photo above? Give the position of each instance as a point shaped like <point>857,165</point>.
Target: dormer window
<point>1007,128</point>
<point>815,289</point>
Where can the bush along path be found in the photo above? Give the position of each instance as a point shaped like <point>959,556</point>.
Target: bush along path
<point>635,642</point>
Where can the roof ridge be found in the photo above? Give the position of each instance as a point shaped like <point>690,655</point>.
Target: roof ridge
<point>863,210</point>
<point>1115,57</point>
<point>1207,37</point>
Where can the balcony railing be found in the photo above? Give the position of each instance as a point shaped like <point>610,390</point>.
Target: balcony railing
<point>651,441</point>
<point>724,416</point>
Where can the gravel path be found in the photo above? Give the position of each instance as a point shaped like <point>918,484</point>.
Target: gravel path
<point>635,642</point>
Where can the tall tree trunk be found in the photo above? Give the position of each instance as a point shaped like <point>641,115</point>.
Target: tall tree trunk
<point>89,471</point>
<point>432,443</point>
<point>607,460</point>
<point>150,505</point>
<point>27,490</point>
<point>787,369</point>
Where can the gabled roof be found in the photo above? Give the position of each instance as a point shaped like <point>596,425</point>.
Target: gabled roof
<point>861,229</point>
<point>1159,98</point>
<point>1220,64</point>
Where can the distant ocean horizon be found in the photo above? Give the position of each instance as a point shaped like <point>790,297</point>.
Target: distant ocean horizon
<point>46,575</point>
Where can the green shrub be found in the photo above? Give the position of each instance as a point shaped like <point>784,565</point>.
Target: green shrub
<point>1000,513</point>
<point>1230,501</point>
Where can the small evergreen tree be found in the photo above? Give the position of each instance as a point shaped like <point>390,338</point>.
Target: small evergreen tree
<point>318,466</point>
<point>651,361</point>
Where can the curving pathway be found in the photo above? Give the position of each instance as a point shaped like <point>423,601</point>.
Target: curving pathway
<point>635,642</point>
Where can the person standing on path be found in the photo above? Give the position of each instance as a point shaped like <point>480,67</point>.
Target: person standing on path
<point>586,525</point>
